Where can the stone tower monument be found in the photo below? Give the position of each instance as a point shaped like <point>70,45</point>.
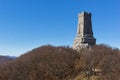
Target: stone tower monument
<point>84,37</point>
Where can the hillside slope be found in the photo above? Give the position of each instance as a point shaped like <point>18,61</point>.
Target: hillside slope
<point>63,63</point>
<point>44,63</point>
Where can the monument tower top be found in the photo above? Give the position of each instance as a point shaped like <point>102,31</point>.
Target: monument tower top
<point>84,36</point>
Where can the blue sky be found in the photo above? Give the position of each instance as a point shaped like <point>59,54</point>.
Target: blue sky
<point>27,24</point>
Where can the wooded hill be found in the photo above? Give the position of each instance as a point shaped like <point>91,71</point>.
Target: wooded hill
<point>63,63</point>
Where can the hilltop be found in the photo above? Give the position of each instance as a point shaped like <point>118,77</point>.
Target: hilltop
<point>64,63</point>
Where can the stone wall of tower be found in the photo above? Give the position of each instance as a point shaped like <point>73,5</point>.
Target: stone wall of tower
<point>84,36</point>
<point>87,24</point>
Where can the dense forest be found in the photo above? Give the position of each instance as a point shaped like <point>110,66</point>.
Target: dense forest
<point>100,62</point>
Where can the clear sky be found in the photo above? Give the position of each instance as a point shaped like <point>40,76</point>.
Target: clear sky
<point>27,24</point>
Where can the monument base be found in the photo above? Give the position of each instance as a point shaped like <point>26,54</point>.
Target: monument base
<point>84,42</point>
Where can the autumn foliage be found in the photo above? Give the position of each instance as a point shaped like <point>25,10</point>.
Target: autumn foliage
<point>63,63</point>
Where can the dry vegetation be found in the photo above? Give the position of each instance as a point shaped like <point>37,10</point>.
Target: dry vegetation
<point>63,63</point>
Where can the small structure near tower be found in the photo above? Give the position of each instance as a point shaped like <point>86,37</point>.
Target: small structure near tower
<point>84,37</point>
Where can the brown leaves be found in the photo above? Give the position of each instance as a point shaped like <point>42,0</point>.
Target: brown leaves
<point>62,63</point>
<point>44,63</point>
